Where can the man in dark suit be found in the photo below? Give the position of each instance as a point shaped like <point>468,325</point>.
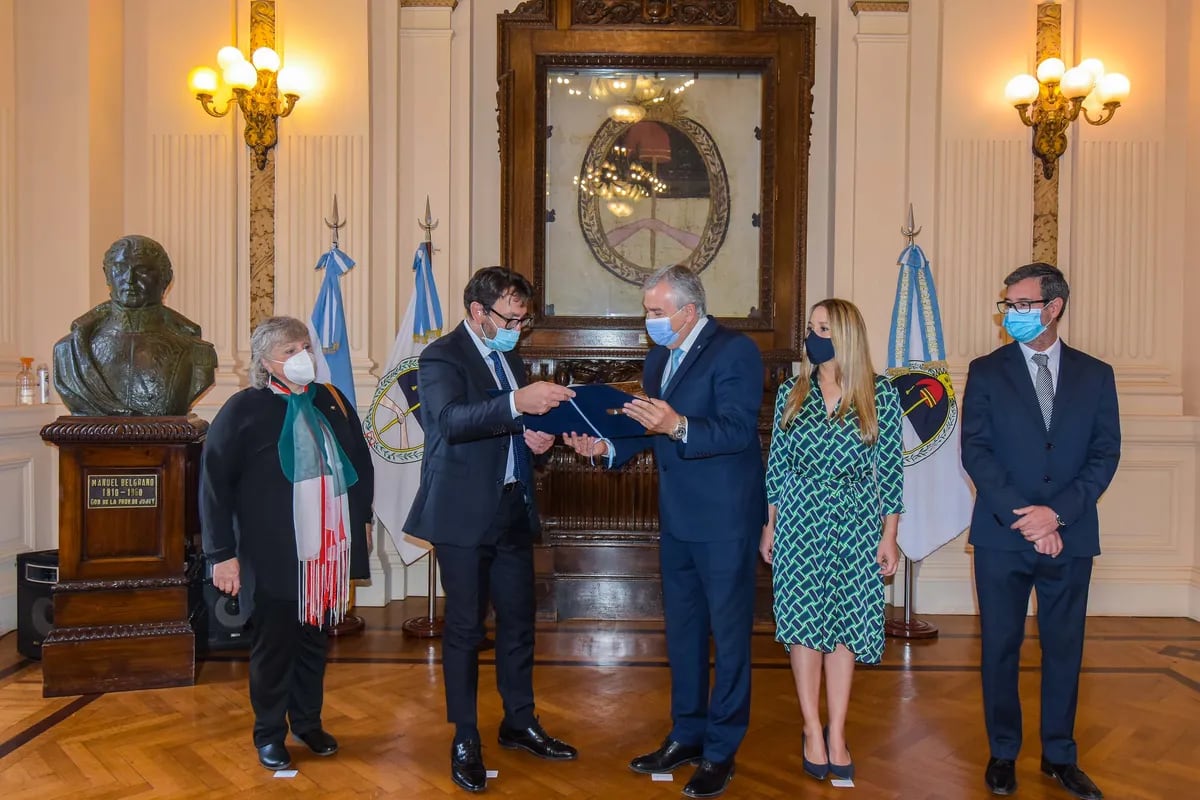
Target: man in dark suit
<point>705,385</point>
<point>1041,440</point>
<point>476,504</point>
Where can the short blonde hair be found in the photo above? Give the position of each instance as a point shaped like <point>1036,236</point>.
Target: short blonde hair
<point>269,334</point>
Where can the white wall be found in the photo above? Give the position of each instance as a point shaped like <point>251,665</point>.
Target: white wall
<point>908,107</point>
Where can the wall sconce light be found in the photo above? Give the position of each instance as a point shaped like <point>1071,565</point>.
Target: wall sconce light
<point>261,89</point>
<point>1053,100</point>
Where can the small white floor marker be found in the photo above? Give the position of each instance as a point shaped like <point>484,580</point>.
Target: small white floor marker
<point>662,776</point>
<point>842,784</point>
<point>493,773</point>
<point>286,773</point>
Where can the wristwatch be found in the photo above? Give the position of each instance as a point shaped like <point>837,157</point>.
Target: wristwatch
<point>680,430</point>
<point>1059,520</point>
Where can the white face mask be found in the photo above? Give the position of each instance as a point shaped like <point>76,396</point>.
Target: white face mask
<point>300,369</point>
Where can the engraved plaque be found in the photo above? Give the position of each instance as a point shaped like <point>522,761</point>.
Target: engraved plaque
<point>131,490</point>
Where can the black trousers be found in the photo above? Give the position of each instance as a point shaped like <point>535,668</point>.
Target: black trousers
<point>287,671</point>
<point>1003,581</point>
<point>501,570</point>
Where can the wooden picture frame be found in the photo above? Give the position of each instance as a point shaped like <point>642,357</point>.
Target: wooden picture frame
<point>767,38</point>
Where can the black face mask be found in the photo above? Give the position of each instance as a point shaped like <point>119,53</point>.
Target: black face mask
<point>819,348</point>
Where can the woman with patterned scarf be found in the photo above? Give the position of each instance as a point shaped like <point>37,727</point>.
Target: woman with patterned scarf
<point>286,485</point>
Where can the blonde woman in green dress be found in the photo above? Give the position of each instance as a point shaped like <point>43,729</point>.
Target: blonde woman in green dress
<point>835,485</point>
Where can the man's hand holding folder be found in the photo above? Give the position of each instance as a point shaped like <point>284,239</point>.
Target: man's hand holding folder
<point>597,409</point>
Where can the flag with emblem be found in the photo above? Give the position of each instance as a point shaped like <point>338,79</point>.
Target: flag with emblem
<point>392,425</point>
<point>937,491</point>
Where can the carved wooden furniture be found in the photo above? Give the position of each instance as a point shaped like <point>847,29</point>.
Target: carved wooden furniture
<point>127,511</point>
<point>598,556</point>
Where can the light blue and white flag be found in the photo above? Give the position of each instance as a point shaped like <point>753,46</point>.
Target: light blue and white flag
<point>393,424</point>
<point>937,491</point>
<point>329,321</point>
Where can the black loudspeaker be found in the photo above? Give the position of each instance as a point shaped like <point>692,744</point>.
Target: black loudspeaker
<point>37,572</point>
<point>220,621</point>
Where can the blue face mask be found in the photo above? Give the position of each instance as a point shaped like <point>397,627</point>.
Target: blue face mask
<point>818,347</point>
<point>1024,327</point>
<point>504,340</point>
<point>660,331</point>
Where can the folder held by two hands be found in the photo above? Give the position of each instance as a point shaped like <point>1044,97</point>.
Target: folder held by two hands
<point>597,409</point>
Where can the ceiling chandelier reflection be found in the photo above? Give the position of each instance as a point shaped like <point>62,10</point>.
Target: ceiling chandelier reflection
<point>620,180</point>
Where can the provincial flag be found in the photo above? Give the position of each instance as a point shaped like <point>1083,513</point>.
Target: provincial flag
<point>393,424</point>
<point>937,491</point>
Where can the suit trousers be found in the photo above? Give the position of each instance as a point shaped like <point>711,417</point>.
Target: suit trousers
<point>708,591</point>
<point>287,670</point>
<point>499,570</point>
<point>1003,581</point>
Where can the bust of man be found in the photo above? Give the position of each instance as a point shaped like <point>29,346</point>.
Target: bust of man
<point>133,356</point>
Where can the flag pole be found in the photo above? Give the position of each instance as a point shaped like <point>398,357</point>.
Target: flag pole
<point>909,627</point>
<point>351,623</point>
<point>430,625</point>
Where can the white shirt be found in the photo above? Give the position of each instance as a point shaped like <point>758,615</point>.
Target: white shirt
<point>1054,351</point>
<point>510,472</point>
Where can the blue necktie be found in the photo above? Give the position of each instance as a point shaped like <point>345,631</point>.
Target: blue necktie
<point>520,452</point>
<point>676,357</point>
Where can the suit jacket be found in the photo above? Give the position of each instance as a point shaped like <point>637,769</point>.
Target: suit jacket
<point>246,500</point>
<point>468,433</point>
<point>1015,462</point>
<point>712,486</point>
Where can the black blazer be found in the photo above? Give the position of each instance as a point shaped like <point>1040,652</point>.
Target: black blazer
<point>467,436</point>
<point>246,500</point>
<point>1015,462</point>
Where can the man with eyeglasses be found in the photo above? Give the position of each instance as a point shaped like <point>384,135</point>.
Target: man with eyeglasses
<point>476,504</point>
<point>1041,440</point>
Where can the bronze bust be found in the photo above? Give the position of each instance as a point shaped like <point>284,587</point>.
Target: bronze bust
<point>133,356</point>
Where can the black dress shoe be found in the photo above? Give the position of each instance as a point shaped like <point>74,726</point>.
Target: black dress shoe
<point>1001,775</point>
<point>318,741</point>
<point>534,739</point>
<point>274,756</point>
<point>1073,779</point>
<point>710,779</point>
<point>668,758</point>
<point>466,766</point>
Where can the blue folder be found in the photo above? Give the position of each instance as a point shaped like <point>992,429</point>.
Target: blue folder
<point>592,411</point>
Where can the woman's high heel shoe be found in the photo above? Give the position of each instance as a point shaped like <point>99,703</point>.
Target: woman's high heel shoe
<point>815,771</point>
<point>843,772</point>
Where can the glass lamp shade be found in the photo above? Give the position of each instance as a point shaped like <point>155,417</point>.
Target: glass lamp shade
<point>241,75</point>
<point>619,208</point>
<point>626,112</point>
<point>227,56</point>
<point>1051,70</point>
<point>1094,66</point>
<point>1077,82</point>
<point>1113,88</point>
<point>203,80</point>
<point>265,58</point>
<point>1022,90</point>
<point>292,80</point>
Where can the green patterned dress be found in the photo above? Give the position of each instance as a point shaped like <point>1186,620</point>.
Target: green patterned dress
<point>832,492</point>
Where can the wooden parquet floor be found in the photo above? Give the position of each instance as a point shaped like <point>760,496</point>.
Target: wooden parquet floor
<point>916,727</point>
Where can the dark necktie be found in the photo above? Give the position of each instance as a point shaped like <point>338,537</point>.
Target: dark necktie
<point>520,452</point>
<point>1043,384</point>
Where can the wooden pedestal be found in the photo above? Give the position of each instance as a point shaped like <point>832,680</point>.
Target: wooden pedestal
<point>127,511</point>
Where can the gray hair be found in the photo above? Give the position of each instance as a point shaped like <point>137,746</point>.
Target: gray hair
<point>269,334</point>
<point>685,286</point>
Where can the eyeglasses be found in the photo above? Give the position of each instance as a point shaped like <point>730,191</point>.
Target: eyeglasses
<point>512,323</point>
<point>1021,306</point>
